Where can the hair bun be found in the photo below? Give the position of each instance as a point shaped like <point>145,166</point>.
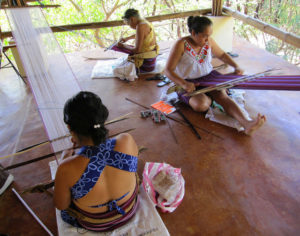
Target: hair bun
<point>190,21</point>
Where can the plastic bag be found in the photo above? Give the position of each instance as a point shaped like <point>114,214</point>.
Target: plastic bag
<point>164,185</point>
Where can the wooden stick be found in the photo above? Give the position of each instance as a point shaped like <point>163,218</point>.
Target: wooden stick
<point>27,149</point>
<point>230,83</point>
<point>186,120</point>
<point>130,100</point>
<point>41,6</point>
<point>177,120</point>
<point>31,212</point>
<point>53,154</point>
<point>32,160</point>
<point>43,187</point>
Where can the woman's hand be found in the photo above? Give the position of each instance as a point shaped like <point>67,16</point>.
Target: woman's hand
<point>238,71</point>
<point>189,87</point>
<point>69,152</point>
<point>123,40</point>
<point>120,44</point>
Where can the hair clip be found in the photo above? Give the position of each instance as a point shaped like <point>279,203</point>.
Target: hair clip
<point>97,126</point>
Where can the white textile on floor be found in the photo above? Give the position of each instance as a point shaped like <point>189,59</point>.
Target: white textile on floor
<point>146,221</point>
<point>123,69</point>
<point>216,115</point>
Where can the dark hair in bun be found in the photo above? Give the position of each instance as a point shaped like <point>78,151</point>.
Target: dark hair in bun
<point>198,23</point>
<point>86,115</point>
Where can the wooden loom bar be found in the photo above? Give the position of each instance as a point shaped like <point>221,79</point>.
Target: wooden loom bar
<point>267,28</point>
<point>264,27</point>
<point>96,25</point>
<point>53,154</point>
<point>41,6</point>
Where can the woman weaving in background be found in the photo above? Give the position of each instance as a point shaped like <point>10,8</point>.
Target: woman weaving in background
<point>97,188</point>
<point>190,61</point>
<point>145,51</point>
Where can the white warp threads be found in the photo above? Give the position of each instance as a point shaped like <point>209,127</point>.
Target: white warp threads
<point>50,76</point>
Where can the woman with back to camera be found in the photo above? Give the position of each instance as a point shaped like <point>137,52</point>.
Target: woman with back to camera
<point>97,188</point>
<point>190,61</point>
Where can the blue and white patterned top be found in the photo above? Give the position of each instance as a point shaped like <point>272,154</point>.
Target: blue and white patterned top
<point>101,156</point>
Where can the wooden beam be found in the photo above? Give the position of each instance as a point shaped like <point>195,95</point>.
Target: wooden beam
<point>41,6</point>
<point>96,25</point>
<point>290,38</point>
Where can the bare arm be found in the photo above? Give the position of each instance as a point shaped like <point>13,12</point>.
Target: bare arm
<point>123,40</point>
<point>126,144</point>
<point>223,56</point>
<point>174,58</point>
<point>140,35</point>
<point>62,194</point>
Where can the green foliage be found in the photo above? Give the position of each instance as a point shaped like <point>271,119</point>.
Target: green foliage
<point>284,14</point>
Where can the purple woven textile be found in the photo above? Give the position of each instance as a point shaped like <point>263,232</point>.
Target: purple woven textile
<point>283,82</point>
<point>148,65</point>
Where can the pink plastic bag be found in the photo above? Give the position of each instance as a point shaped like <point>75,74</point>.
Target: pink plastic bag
<point>164,185</point>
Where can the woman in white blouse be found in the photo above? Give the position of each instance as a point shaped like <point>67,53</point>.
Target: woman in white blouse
<point>190,61</point>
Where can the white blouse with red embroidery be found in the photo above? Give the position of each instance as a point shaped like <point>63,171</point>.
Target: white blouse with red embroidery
<point>193,65</point>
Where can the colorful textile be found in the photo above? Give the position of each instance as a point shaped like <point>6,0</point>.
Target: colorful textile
<point>200,58</point>
<point>100,157</point>
<point>192,65</point>
<point>148,64</point>
<point>272,82</point>
<point>145,60</point>
<point>284,82</point>
<point>182,95</point>
<point>100,222</point>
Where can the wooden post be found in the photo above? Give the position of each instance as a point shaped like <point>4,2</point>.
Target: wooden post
<point>217,7</point>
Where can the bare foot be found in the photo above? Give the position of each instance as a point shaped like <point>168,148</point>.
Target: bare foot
<point>255,124</point>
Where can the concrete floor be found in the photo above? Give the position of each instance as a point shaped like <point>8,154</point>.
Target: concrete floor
<point>235,184</point>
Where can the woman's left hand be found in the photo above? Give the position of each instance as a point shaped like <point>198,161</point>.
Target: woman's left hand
<point>68,152</point>
<point>238,71</point>
<point>120,45</point>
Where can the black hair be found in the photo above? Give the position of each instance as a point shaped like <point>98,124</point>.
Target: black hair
<point>198,23</point>
<point>86,115</point>
<point>130,13</point>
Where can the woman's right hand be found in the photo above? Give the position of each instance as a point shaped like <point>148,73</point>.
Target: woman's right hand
<point>189,87</point>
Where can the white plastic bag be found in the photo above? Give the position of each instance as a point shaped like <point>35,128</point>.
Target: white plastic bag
<point>164,185</point>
